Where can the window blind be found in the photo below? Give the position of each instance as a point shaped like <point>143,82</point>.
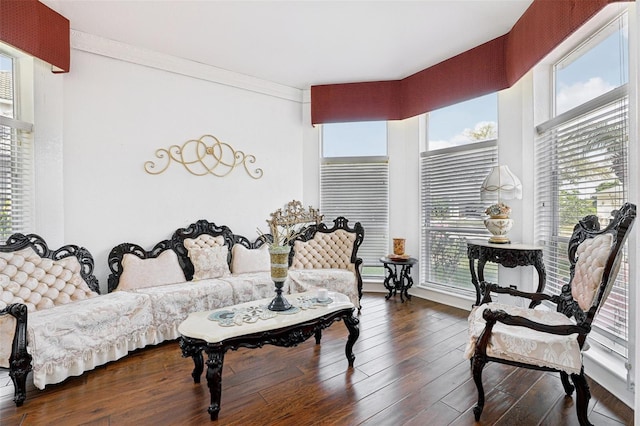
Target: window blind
<point>452,212</point>
<point>15,176</point>
<point>581,169</point>
<point>358,189</point>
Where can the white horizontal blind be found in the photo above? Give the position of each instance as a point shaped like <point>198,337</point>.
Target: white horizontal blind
<point>452,212</point>
<point>358,189</point>
<point>582,168</point>
<point>15,177</point>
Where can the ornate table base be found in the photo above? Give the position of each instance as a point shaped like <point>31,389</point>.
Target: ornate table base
<point>508,255</point>
<point>395,280</point>
<point>287,336</point>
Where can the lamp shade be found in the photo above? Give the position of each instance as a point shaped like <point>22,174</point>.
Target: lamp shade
<point>501,184</point>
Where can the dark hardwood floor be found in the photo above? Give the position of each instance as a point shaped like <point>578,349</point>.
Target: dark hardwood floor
<point>409,370</point>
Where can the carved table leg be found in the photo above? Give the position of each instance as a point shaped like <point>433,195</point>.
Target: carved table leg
<point>318,336</point>
<point>407,282</point>
<point>193,348</point>
<point>538,264</point>
<point>474,280</point>
<point>354,332</point>
<point>214,379</point>
<point>389,281</point>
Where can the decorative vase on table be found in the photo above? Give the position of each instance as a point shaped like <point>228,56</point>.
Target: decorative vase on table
<point>279,256</point>
<point>498,223</point>
<point>398,246</point>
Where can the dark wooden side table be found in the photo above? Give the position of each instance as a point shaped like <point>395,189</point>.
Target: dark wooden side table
<point>395,280</point>
<point>508,255</point>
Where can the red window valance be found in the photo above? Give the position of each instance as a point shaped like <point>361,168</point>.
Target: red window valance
<point>490,67</point>
<point>32,27</point>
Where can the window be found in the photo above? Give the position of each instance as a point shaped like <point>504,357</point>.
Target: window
<point>461,151</point>
<point>15,154</point>
<point>354,183</point>
<point>582,163</point>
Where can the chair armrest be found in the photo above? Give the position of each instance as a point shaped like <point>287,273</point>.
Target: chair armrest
<point>498,315</point>
<point>20,358</point>
<point>536,298</point>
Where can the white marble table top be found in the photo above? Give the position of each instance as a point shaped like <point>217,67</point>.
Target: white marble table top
<point>199,326</point>
<point>507,246</point>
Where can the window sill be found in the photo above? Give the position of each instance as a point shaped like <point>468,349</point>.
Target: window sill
<point>609,371</point>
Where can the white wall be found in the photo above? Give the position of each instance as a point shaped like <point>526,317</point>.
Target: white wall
<point>116,113</point>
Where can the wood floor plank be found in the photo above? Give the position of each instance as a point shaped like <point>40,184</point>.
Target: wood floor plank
<point>534,404</point>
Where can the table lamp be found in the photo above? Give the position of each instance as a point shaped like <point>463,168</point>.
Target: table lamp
<point>501,184</point>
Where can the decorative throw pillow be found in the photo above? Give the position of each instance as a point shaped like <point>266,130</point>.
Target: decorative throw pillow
<point>209,262</point>
<point>141,273</point>
<point>244,260</point>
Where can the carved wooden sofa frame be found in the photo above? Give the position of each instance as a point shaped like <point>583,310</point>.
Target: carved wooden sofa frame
<point>176,243</point>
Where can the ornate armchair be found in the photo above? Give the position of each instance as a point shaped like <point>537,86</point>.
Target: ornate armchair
<point>320,256</point>
<point>552,340</point>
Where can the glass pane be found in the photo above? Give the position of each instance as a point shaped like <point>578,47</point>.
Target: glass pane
<point>598,66</point>
<point>6,86</point>
<point>463,123</point>
<point>363,139</point>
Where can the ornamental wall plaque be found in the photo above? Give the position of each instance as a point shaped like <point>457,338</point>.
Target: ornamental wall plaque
<point>204,156</point>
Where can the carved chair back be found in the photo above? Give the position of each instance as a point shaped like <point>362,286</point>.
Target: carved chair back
<point>595,256</point>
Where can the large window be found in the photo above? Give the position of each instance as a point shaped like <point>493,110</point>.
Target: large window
<point>354,183</point>
<point>460,153</point>
<point>582,163</point>
<point>15,154</point>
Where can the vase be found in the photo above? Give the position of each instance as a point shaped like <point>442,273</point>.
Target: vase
<point>499,226</point>
<point>398,246</point>
<point>279,256</point>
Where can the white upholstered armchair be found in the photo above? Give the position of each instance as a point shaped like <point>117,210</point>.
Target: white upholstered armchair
<point>553,340</point>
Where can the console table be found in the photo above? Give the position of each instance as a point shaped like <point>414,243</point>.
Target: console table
<point>395,280</point>
<point>508,255</point>
<point>259,327</point>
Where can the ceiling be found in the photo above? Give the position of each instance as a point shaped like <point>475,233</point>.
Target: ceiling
<point>300,43</point>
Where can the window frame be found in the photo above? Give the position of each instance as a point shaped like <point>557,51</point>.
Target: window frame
<point>484,155</point>
<point>606,367</point>
<point>17,139</point>
<point>375,217</point>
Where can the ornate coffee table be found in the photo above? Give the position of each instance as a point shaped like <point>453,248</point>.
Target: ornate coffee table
<point>252,325</point>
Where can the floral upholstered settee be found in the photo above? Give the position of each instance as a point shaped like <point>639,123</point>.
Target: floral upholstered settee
<point>205,266</point>
<point>327,257</point>
<point>53,321</point>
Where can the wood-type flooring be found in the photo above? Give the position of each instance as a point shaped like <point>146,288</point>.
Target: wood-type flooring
<point>409,370</point>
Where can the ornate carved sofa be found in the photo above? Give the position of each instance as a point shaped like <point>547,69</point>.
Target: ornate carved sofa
<point>205,266</point>
<point>70,328</point>
<point>54,322</point>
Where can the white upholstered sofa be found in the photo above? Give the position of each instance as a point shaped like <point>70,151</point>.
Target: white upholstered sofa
<point>54,322</point>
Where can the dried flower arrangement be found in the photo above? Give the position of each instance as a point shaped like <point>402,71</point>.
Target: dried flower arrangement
<point>287,223</point>
<point>498,210</point>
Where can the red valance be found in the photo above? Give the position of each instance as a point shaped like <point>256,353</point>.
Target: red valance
<point>490,67</point>
<point>32,27</point>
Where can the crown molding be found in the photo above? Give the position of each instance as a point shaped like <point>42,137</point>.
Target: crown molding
<point>125,52</point>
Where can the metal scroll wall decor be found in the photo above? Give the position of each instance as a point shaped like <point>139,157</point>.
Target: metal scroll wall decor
<point>204,156</point>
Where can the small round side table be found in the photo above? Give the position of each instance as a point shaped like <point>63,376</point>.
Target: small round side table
<point>398,276</point>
